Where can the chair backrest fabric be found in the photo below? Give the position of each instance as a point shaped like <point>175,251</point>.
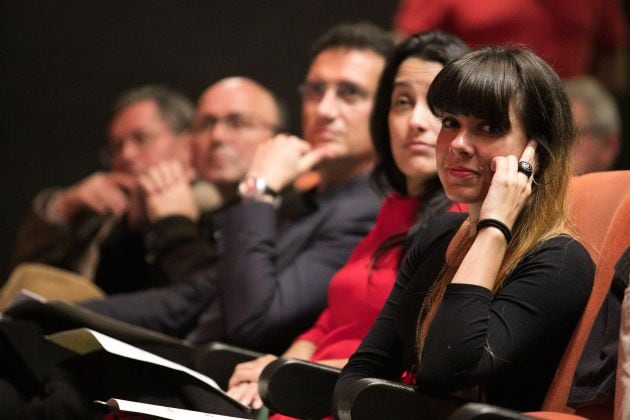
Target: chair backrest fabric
<point>49,282</point>
<point>599,210</point>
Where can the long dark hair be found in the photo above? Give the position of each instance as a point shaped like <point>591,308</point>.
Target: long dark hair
<point>435,46</point>
<point>485,84</point>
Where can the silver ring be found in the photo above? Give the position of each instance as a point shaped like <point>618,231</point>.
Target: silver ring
<point>525,168</point>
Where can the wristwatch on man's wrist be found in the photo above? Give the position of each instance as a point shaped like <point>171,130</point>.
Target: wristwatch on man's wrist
<point>254,187</point>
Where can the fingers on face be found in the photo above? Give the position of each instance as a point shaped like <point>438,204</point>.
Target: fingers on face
<point>290,141</point>
<point>162,176</point>
<point>106,197</point>
<point>117,203</point>
<point>529,152</point>
<point>122,180</point>
<point>168,173</point>
<point>506,172</point>
<point>511,168</point>
<point>519,178</point>
<point>510,163</point>
<point>311,159</point>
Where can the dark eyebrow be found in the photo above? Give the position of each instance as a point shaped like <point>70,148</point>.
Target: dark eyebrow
<point>402,83</point>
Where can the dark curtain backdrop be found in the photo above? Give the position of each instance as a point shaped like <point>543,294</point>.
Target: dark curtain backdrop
<point>63,62</point>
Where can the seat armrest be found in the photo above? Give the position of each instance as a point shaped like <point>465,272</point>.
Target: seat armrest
<point>377,399</point>
<point>218,360</point>
<point>298,388</point>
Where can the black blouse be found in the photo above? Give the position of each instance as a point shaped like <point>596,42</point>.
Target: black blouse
<point>510,342</point>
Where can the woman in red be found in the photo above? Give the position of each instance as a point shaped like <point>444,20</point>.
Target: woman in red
<point>404,133</point>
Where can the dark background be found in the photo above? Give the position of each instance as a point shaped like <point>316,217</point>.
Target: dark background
<point>63,63</point>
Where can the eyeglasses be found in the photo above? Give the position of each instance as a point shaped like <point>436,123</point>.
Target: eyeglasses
<point>233,122</point>
<point>139,138</point>
<point>349,93</point>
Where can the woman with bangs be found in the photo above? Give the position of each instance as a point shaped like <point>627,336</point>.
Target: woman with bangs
<point>486,313</point>
<point>404,132</point>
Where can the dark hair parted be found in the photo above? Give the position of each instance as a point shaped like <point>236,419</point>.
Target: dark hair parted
<point>355,36</point>
<point>435,46</point>
<point>487,82</point>
<point>174,107</point>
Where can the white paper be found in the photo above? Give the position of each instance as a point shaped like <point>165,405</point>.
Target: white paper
<point>85,340</point>
<point>25,295</point>
<point>162,411</point>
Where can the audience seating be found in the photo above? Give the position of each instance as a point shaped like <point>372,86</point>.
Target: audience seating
<point>600,205</point>
<point>218,360</point>
<point>599,209</point>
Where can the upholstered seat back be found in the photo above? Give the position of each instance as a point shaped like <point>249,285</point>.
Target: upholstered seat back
<point>600,210</point>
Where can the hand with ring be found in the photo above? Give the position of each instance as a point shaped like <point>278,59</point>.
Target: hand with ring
<point>509,189</point>
<point>526,168</point>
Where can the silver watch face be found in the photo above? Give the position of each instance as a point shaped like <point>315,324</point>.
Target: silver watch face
<point>251,187</point>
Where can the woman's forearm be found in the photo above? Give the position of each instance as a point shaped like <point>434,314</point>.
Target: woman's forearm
<point>483,260</point>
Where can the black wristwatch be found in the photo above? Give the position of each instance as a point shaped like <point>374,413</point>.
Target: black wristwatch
<point>254,187</point>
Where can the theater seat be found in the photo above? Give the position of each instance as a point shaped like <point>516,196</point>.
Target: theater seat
<point>599,210</point>
<point>49,282</point>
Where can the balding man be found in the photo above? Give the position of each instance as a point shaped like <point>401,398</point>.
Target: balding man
<point>226,136</point>
<point>234,116</point>
<point>278,248</point>
<point>255,272</point>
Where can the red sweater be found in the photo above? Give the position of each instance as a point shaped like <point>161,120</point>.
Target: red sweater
<point>358,291</point>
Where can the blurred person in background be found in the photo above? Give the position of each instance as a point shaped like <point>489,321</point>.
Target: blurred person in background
<point>95,226</point>
<point>278,247</point>
<point>404,133</point>
<point>577,37</point>
<point>598,125</point>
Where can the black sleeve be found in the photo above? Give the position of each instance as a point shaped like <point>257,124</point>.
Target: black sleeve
<point>178,249</point>
<point>380,354</point>
<point>171,310</point>
<point>185,260</point>
<point>264,303</point>
<point>595,373</point>
<point>62,245</point>
<point>475,336</point>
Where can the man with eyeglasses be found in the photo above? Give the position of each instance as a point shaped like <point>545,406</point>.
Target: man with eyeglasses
<point>94,226</point>
<point>278,247</point>
<point>234,116</point>
<point>255,272</point>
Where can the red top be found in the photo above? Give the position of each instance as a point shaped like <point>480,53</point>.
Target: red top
<point>357,291</point>
<point>566,33</point>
